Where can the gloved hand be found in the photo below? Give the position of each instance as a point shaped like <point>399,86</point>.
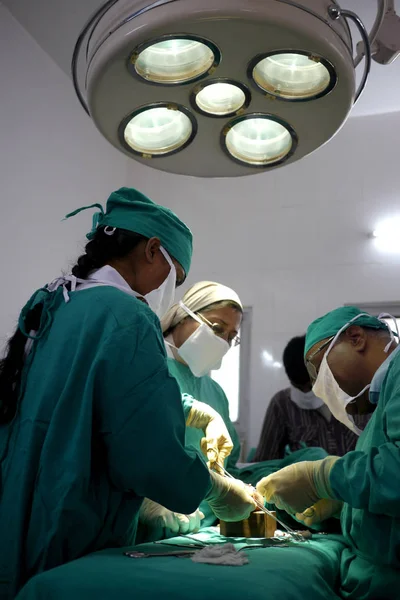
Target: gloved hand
<point>321,511</point>
<point>217,444</point>
<point>156,515</point>
<point>298,486</point>
<point>230,499</point>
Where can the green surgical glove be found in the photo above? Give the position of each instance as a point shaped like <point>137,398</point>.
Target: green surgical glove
<point>298,486</point>
<point>230,499</point>
<point>321,511</point>
<point>217,443</point>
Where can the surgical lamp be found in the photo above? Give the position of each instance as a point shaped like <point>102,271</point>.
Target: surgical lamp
<point>224,88</point>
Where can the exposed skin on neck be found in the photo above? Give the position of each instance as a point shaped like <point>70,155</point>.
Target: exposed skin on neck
<point>362,406</point>
<point>354,360</point>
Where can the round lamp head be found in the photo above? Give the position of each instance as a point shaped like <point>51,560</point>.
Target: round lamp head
<point>175,60</point>
<point>217,88</point>
<point>259,140</point>
<point>294,75</point>
<point>221,98</point>
<point>158,130</point>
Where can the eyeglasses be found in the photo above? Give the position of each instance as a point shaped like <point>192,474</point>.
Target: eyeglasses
<point>311,368</point>
<point>220,332</point>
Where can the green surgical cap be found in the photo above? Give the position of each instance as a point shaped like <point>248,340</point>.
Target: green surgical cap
<point>129,209</point>
<point>330,324</point>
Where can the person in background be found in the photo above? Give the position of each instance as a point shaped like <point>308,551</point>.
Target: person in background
<point>296,418</point>
<point>198,332</point>
<point>353,361</point>
<point>91,422</point>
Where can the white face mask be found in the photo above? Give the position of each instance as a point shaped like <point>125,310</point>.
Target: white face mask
<point>203,351</point>
<point>161,299</point>
<point>305,400</point>
<point>327,388</point>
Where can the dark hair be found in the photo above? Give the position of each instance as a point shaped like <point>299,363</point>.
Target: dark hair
<point>103,248</point>
<point>98,252</point>
<point>293,361</point>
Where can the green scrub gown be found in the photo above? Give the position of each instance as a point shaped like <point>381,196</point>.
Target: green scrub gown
<point>368,480</point>
<point>99,426</point>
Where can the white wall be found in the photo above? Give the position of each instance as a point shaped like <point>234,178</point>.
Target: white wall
<point>52,160</point>
<point>293,242</point>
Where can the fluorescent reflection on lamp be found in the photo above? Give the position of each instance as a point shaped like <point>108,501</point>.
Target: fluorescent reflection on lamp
<point>259,141</point>
<point>158,131</point>
<point>292,76</point>
<point>220,99</point>
<point>174,61</point>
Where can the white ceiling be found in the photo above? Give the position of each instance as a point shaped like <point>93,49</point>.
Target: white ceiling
<point>55,25</point>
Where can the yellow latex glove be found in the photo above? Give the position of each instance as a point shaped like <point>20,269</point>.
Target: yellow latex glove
<point>298,486</point>
<point>217,443</point>
<point>156,515</point>
<point>230,499</point>
<point>321,511</point>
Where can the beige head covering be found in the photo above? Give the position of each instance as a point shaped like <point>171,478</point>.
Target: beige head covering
<point>198,297</point>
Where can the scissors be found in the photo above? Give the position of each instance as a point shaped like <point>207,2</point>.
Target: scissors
<point>176,553</point>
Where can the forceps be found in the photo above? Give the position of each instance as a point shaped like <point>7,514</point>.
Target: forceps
<point>265,510</point>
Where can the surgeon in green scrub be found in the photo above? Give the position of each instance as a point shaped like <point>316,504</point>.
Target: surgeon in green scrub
<point>354,361</point>
<point>198,332</point>
<point>91,421</point>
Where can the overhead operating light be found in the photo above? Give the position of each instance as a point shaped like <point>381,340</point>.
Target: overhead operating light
<point>221,98</point>
<point>223,88</point>
<point>175,60</point>
<point>259,140</point>
<point>158,130</point>
<point>294,76</point>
